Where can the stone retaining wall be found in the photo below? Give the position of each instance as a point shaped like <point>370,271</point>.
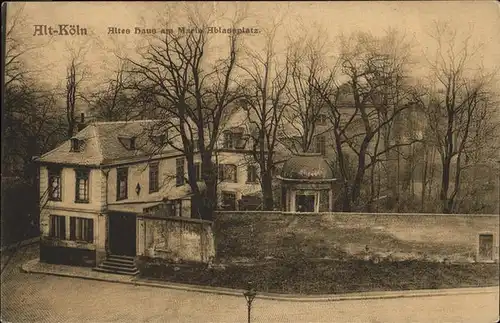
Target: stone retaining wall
<point>378,236</point>
<point>176,239</point>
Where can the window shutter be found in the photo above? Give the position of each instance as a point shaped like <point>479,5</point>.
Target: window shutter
<point>77,182</point>
<point>117,184</point>
<point>221,172</point>
<point>63,227</point>
<point>126,184</point>
<point>251,173</point>
<point>52,226</point>
<point>90,230</point>
<point>72,228</point>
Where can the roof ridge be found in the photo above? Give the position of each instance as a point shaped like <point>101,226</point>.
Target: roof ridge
<point>52,150</point>
<point>124,122</point>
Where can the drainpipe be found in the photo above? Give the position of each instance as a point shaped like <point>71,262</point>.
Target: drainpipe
<point>104,207</point>
<point>105,171</point>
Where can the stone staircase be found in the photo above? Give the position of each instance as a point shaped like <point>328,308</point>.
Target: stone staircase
<point>114,264</point>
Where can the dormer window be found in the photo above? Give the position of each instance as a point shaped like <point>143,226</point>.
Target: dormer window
<point>128,142</point>
<point>75,144</point>
<point>158,140</point>
<point>321,119</point>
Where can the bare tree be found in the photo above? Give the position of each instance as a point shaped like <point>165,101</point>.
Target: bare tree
<point>30,124</point>
<point>18,45</point>
<point>194,97</point>
<point>115,101</point>
<point>460,109</point>
<point>265,104</point>
<point>75,75</point>
<point>307,67</point>
<point>364,107</point>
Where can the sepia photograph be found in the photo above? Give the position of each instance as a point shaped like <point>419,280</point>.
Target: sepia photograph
<point>253,161</point>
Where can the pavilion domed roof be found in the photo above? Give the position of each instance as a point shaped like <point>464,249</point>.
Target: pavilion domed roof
<point>307,166</point>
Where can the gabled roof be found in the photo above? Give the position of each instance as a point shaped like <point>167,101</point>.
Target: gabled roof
<point>103,144</point>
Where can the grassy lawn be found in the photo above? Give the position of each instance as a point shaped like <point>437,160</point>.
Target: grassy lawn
<point>329,276</point>
<point>305,254</point>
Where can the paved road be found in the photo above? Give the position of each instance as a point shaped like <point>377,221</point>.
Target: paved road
<point>43,298</point>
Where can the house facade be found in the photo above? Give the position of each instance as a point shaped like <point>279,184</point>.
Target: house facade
<point>94,186</point>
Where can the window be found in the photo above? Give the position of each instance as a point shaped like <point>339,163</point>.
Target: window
<point>121,183</point>
<point>57,227</point>
<point>229,201</point>
<point>158,140</point>
<point>54,184</point>
<point>239,142</point>
<point>179,171</point>
<point>81,229</point>
<point>154,180</point>
<point>251,174</point>
<point>128,142</point>
<point>227,173</point>
<point>174,208</point>
<point>320,144</point>
<point>321,120</point>
<point>82,186</point>
<point>132,143</point>
<point>197,171</point>
<point>228,140</point>
<point>75,144</point>
<point>233,140</point>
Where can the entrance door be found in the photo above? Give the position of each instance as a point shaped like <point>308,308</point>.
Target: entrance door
<point>486,247</point>
<point>304,203</point>
<point>122,230</point>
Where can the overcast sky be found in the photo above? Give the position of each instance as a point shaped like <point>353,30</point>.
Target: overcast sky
<point>480,18</point>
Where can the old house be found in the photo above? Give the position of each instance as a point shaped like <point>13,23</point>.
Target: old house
<point>96,184</point>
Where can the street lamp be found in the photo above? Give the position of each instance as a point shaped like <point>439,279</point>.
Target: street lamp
<point>249,296</point>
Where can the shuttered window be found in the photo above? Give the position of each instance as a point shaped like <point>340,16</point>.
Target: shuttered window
<point>81,229</point>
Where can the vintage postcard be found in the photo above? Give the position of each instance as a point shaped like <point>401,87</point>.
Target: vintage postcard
<point>250,161</point>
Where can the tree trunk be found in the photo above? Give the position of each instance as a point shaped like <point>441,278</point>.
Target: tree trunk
<point>346,199</point>
<point>424,180</point>
<point>196,200</point>
<point>445,184</point>
<point>71,129</point>
<point>267,191</point>
<point>210,197</point>
<point>360,173</point>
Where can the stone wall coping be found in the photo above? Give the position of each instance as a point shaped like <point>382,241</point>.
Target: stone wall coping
<point>351,213</point>
<point>174,218</point>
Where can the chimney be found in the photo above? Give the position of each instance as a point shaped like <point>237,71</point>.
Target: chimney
<point>81,124</point>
